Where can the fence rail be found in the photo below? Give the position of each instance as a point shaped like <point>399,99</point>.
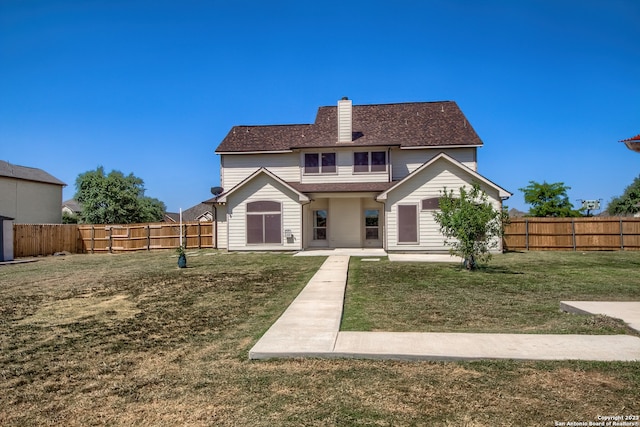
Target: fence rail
<point>46,239</point>
<point>573,234</point>
<point>559,234</point>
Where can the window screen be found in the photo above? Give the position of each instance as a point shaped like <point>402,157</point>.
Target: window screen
<point>407,224</point>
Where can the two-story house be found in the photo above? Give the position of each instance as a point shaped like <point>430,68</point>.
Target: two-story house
<point>361,176</point>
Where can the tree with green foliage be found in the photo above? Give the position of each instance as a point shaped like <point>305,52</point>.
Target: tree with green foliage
<point>115,199</point>
<point>628,203</point>
<point>68,218</point>
<point>549,200</point>
<point>472,226</point>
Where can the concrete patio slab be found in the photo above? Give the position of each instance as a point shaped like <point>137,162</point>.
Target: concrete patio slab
<point>425,258</point>
<point>627,311</point>
<point>462,346</point>
<point>359,252</point>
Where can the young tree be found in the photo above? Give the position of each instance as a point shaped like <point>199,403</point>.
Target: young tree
<point>629,202</point>
<point>115,199</point>
<point>548,200</point>
<point>470,224</point>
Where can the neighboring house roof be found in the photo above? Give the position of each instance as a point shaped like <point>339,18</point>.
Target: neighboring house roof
<point>407,125</point>
<point>197,213</point>
<point>222,198</point>
<point>442,156</point>
<point>515,213</point>
<point>171,217</point>
<point>6,218</point>
<point>28,174</point>
<point>72,205</point>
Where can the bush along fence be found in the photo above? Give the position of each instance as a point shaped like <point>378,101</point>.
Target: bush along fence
<point>573,234</point>
<point>47,239</point>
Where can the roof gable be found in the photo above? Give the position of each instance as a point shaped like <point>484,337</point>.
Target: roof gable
<point>28,174</point>
<point>443,157</point>
<point>222,198</point>
<point>416,124</point>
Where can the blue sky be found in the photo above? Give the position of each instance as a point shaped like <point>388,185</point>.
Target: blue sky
<point>152,87</point>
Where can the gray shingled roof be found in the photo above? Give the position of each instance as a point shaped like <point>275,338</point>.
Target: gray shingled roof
<point>29,174</point>
<point>406,125</point>
<point>195,212</point>
<point>73,205</point>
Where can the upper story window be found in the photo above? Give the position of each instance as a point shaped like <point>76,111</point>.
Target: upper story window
<point>370,161</point>
<point>319,163</point>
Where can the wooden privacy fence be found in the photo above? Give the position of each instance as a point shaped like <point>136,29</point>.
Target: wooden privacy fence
<point>573,234</point>
<point>46,239</point>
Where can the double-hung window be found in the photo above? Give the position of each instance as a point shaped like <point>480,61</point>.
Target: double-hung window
<point>318,163</point>
<point>370,161</point>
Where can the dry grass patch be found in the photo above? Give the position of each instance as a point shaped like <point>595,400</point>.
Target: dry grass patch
<point>82,309</point>
<point>131,340</point>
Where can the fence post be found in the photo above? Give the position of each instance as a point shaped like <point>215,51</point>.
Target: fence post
<point>93,236</point>
<point>621,235</point>
<point>148,237</point>
<point>199,236</point>
<point>110,229</point>
<point>573,232</point>
<point>526,233</point>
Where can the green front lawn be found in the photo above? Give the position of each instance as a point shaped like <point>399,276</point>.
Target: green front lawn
<point>514,293</point>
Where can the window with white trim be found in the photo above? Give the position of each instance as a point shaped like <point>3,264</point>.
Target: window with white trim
<point>431,204</point>
<point>320,224</point>
<point>369,161</point>
<point>264,222</point>
<point>372,224</point>
<point>407,224</point>
<point>319,163</point>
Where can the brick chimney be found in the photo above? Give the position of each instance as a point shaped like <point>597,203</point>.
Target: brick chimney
<point>345,120</point>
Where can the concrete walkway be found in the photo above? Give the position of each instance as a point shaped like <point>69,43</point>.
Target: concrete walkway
<point>310,328</point>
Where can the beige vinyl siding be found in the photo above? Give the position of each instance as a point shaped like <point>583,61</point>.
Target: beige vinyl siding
<point>221,211</point>
<point>260,188</point>
<point>427,184</point>
<point>345,223</point>
<point>237,167</point>
<point>406,161</point>
<point>30,202</point>
<point>308,221</point>
<point>344,168</point>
